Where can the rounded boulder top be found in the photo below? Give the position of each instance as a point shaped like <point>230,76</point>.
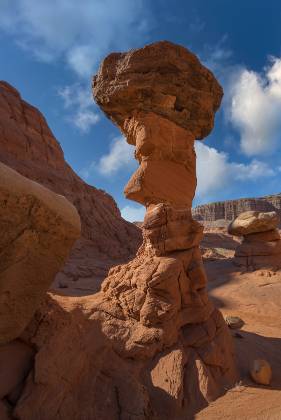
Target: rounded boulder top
<point>253,222</point>
<point>163,78</point>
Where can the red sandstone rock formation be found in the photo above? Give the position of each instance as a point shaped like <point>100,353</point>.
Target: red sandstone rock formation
<point>150,345</point>
<point>162,98</point>
<point>28,146</point>
<point>38,229</point>
<point>261,244</point>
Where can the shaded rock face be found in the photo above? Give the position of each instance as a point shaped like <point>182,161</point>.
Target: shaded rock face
<point>225,211</point>
<point>261,244</point>
<point>29,147</point>
<point>38,230</point>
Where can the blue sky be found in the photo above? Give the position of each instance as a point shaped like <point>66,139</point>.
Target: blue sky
<point>50,50</point>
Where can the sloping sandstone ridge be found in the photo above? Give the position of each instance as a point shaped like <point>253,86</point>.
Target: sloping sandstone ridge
<point>150,344</point>
<point>29,147</point>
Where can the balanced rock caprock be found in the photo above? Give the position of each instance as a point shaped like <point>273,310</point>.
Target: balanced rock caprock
<point>261,243</point>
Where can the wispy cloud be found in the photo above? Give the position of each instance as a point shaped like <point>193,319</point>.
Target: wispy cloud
<point>79,33</point>
<point>217,57</point>
<point>197,25</point>
<point>120,156</point>
<point>79,104</point>
<point>133,213</point>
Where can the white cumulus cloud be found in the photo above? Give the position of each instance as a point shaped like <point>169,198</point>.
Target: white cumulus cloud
<point>80,33</point>
<point>84,119</point>
<point>133,213</point>
<point>215,171</point>
<point>78,101</point>
<point>120,156</point>
<point>255,109</point>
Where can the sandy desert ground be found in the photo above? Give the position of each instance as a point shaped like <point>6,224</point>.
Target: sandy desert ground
<point>254,297</point>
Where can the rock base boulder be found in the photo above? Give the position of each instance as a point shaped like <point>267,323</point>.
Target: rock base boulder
<point>261,243</point>
<point>38,229</point>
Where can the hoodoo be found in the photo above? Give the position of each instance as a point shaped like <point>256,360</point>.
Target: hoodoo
<point>162,99</point>
<point>261,243</point>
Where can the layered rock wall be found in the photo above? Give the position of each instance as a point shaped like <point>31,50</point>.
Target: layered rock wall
<point>230,209</point>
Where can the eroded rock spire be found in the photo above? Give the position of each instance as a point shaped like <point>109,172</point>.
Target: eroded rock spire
<point>162,98</point>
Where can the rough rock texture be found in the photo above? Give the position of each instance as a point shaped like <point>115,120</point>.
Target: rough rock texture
<point>38,229</point>
<point>225,211</point>
<point>29,147</point>
<point>114,367</point>
<point>161,79</point>
<point>261,244</point>
<point>16,361</point>
<point>160,297</point>
<point>253,222</point>
<point>150,344</point>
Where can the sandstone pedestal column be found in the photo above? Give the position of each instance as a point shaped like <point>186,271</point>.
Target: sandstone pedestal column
<point>162,99</point>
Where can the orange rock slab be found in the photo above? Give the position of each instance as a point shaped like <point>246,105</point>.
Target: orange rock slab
<point>38,230</point>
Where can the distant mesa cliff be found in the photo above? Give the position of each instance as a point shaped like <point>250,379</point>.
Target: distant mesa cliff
<point>225,211</point>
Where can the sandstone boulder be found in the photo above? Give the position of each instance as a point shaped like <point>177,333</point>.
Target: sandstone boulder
<point>38,229</point>
<point>234,322</point>
<point>253,222</point>
<point>261,243</point>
